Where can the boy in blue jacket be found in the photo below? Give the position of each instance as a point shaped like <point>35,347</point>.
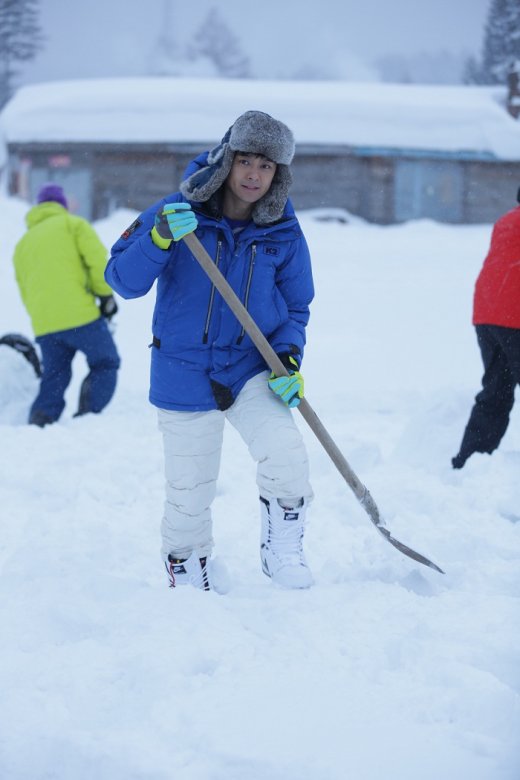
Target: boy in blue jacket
<point>205,368</point>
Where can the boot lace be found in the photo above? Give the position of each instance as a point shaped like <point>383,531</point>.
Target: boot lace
<point>286,541</point>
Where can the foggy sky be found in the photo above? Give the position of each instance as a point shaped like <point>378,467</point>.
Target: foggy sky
<point>116,37</point>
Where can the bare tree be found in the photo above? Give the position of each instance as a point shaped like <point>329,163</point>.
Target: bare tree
<point>20,39</point>
<point>166,58</point>
<point>216,42</point>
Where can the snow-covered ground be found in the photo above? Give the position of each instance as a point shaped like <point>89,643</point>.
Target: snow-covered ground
<point>385,669</point>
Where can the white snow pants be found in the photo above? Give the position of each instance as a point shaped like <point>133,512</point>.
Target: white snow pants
<point>192,450</point>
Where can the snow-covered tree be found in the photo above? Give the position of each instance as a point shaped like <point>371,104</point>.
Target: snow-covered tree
<point>214,41</point>
<point>20,40</point>
<point>501,45</point>
<point>472,71</point>
<point>340,65</point>
<point>425,67</point>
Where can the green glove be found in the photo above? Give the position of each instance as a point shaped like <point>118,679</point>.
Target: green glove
<point>288,388</point>
<point>173,221</point>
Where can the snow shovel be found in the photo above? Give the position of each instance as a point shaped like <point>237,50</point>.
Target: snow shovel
<point>310,416</point>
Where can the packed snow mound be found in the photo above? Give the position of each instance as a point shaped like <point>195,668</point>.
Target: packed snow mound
<point>18,386</point>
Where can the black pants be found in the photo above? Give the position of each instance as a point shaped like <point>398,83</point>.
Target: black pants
<point>500,350</point>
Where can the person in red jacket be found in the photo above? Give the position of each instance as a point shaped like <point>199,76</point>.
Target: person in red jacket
<point>496,317</point>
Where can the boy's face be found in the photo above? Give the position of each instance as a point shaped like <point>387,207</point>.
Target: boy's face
<point>250,177</point>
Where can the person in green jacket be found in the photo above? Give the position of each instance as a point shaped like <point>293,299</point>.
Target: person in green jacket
<point>59,266</point>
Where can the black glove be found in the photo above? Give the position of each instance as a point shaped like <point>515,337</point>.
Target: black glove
<point>107,306</point>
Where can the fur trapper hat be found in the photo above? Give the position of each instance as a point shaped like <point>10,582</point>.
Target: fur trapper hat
<point>257,133</point>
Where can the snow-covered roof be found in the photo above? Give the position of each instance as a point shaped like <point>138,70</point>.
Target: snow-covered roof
<point>452,119</point>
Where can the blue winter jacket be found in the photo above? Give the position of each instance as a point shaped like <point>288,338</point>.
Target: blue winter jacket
<point>201,357</point>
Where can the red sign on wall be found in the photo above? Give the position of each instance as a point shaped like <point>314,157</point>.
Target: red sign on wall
<point>59,161</point>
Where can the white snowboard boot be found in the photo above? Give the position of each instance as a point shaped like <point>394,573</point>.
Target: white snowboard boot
<point>281,549</point>
<point>194,570</point>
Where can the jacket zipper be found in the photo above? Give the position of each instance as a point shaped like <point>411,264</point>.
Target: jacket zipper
<point>248,287</point>
<point>211,297</point>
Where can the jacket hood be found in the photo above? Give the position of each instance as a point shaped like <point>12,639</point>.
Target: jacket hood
<point>43,211</point>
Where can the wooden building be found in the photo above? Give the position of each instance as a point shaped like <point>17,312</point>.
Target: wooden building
<point>387,153</point>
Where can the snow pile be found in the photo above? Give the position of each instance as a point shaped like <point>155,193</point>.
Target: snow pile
<point>18,386</point>
<point>384,668</point>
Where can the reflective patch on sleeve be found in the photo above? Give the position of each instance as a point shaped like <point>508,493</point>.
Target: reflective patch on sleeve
<point>131,228</point>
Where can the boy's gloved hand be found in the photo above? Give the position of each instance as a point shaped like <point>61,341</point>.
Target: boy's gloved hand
<point>172,222</point>
<point>288,388</point>
<point>107,306</point>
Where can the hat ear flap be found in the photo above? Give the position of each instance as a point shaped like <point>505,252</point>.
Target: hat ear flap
<point>201,185</point>
<point>215,154</point>
<point>270,208</point>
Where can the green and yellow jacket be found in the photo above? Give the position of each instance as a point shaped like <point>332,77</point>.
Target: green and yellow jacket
<point>59,265</point>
